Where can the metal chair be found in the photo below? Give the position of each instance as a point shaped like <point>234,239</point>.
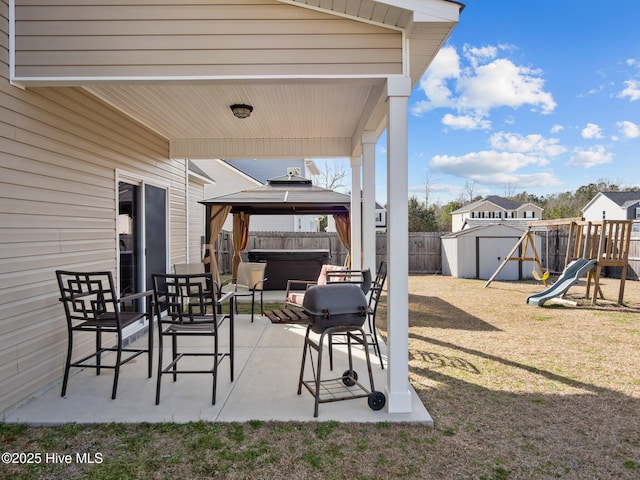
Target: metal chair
<point>186,307</point>
<point>91,305</point>
<point>250,280</point>
<point>191,268</point>
<point>294,294</point>
<point>372,334</point>
<point>374,297</point>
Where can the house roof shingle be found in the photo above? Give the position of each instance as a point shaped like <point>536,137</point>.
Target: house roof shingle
<point>501,202</point>
<point>622,198</point>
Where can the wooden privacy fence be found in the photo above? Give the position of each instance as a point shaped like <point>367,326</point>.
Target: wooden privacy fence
<point>424,249</point>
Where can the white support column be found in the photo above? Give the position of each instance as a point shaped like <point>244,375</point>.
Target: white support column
<point>356,215</point>
<point>398,389</point>
<point>369,201</point>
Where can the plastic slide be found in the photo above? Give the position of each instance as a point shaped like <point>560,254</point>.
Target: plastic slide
<point>571,275</point>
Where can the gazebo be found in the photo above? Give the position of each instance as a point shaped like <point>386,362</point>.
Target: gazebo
<point>286,195</point>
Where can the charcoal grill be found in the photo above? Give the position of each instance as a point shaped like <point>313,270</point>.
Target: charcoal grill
<point>332,309</point>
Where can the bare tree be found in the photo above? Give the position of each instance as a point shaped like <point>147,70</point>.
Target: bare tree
<point>509,190</point>
<point>428,182</point>
<point>469,186</point>
<point>332,177</point>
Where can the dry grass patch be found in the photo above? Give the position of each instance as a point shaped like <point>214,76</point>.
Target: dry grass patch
<point>516,392</point>
<point>546,392</point>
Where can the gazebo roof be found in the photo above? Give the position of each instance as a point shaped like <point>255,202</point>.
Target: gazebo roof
<point>285,195</point>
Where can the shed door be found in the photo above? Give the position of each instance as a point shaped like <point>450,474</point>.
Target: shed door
<point>491,253</point>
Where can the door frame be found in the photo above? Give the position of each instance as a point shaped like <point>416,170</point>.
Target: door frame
<point>495,238</point>
<point>141,181</point>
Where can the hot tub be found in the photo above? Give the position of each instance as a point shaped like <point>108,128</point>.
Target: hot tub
<point>283,265</point>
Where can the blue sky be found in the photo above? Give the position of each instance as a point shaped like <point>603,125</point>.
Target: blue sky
<point>540,96</point>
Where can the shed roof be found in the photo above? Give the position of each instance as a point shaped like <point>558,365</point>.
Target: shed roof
<point>285,195</point>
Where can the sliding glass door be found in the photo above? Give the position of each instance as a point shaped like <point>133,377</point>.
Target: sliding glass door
<point>142,234</point>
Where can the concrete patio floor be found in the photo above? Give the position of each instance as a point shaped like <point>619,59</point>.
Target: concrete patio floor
<point>267,365</point>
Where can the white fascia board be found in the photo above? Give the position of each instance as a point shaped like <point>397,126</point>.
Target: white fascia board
<point>200,179</point>
<point>181,79</point>
<point>12,46</point>
<point>342,14</point>
<point>429,10</point>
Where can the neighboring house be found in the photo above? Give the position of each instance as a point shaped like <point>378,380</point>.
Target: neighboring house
<point>494,209</point>
<point>381,217</point>
<point>196,212</point>
<point>236,175</point>
<point>381,220</point>
<point>613,206</point>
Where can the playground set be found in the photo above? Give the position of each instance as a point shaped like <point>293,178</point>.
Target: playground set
<point>592,247</point>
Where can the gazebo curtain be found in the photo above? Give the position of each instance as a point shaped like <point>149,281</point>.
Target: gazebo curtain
<point>343,228</point>
<point>240,236</point>
<point>218,216</point>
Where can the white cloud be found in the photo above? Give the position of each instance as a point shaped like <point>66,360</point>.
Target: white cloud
<point>477,55</point>
<point>534,144</point>
<point>521,180</point>
<point>590,157</point>
<point>592,131</point>
<point>445,66</point>
<point>466,122</point>
<point>482,163</point>
<point>631,90</point>
<point>487,82</point>
<point>495,168</point>
<point>629,129</point>
<point>557,128</point>
<point>502,83</point>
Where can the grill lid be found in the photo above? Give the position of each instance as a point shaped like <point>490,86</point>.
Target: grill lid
<point>335,299</point>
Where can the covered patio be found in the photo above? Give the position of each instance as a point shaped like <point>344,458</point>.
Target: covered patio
<point>313,80</point>
<point>267,366</point>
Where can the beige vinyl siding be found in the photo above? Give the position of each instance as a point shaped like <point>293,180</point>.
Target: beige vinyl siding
<point>59,152</point>
<point>77,38</point>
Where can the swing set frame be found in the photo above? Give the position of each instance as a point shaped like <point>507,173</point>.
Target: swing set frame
<point>606,241</point>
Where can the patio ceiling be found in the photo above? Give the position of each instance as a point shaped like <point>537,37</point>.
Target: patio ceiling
<point>291,118</point>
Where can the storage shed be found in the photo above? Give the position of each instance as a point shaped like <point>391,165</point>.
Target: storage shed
<point>477,252</point>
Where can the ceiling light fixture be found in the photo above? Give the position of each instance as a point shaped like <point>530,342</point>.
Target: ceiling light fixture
<point>241,110</point>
